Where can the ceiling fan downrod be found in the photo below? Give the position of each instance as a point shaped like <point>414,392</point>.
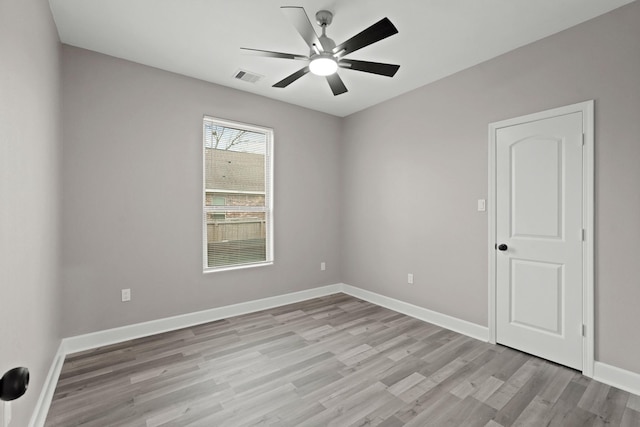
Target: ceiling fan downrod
<point>324,19</point>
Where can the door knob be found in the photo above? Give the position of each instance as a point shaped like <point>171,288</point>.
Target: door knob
<point>502,247</point>
<point>14,383</point>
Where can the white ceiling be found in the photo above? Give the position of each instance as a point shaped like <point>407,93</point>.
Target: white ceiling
<point>202,39</point>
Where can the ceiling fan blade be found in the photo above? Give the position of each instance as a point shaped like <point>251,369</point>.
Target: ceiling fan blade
<point>292,78</point>
<point>336,84</point>
<point>300,20</point>
<point>271,54</point>
<point>388,70</point>
<point>378,31</point>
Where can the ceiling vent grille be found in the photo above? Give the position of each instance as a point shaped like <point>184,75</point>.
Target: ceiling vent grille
<point>247,76</point>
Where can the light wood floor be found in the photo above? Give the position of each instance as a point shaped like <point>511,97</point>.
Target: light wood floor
<point>333,361</point>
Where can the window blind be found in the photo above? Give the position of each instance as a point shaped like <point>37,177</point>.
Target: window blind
<point>238,214</point>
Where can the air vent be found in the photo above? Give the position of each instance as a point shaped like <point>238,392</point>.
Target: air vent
<point>247,76</point>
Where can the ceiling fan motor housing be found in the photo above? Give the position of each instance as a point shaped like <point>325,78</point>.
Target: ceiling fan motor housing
<point>327,43</point>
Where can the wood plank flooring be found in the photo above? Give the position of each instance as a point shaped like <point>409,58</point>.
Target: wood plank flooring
<point>331,361</point>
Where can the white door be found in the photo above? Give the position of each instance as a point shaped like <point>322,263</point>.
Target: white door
<point>539,236</point>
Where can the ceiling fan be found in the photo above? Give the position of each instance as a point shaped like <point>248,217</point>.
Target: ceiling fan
<point>325,56</point>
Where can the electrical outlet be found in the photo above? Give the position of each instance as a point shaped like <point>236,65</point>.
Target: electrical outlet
<point>410,278</point>
<point>126,295</point>
<point>323,266</point>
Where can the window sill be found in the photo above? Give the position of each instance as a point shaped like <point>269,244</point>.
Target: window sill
<point>236,267</point>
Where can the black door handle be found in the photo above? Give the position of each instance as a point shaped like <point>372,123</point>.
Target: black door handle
<point>502,247</point>
<point>14,383</point>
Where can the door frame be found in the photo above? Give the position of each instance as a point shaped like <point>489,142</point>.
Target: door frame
<point>588,210</point>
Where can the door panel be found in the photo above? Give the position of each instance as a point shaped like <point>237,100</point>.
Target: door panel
<point>536,191</point>
<point>536,295</point>
<point>539,218</point>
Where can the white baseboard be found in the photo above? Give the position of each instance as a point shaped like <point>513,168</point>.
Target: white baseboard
<point>39,414</point>
<point>452,323</point>
<point>625,380</point>
<point>617,377</point>
<point>144,329</point>
<point>138,330</point>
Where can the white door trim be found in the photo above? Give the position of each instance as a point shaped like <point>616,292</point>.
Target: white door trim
<point>588,209</point>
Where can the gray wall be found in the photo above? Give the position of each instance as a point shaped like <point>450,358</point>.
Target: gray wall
<point>29,193</point>
<point>413,168</point>
<point>401,190</point>
<point>132,203</point>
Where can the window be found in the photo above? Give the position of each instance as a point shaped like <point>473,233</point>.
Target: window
<point>238,204</point>
<point>218,201</point>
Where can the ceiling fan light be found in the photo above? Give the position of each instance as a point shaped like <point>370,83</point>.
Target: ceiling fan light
<point>323,65</point>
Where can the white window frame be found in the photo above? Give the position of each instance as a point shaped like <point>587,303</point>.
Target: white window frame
<point>267,209</point>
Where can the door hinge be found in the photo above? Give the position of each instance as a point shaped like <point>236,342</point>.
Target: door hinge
<point>583,138</point>
<point>583,234</point>
<point>583,330</point>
